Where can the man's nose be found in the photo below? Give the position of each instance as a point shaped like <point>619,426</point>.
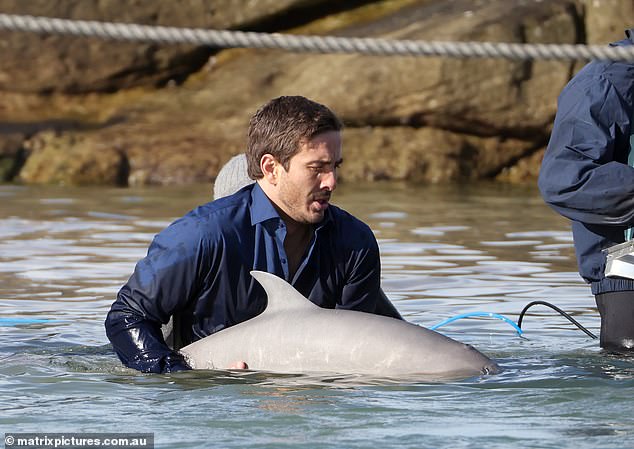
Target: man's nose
<point>329,180</point>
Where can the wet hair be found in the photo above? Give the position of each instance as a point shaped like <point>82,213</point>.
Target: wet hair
<point>281,126</point>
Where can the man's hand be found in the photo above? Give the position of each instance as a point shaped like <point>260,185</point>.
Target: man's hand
<point>174,362</point>
<point>238,365</point>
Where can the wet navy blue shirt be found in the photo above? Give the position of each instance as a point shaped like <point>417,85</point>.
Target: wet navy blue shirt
<point>198,268</point>
<point>585,174</point>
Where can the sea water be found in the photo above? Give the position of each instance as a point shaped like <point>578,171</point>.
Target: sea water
<point>446,250</point>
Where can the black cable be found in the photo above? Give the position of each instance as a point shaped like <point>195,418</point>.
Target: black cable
<point>554,307</point>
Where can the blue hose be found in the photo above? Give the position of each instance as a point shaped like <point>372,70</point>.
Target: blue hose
<point>19,321</point>
<point>476,314</point>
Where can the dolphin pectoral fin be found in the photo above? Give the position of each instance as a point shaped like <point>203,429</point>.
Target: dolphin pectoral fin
<point>280,294</point>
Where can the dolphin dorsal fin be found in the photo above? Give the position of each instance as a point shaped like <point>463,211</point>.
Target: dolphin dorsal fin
<point>280,294</point>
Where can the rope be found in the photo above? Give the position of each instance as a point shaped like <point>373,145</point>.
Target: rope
<point>311,44</point>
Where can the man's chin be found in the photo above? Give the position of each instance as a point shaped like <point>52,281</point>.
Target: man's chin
<point>316,217</point>
<point>316,211</point>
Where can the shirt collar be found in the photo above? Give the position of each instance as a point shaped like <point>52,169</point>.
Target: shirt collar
<point>262,209</point>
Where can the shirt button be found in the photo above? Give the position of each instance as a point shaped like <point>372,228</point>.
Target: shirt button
<point>284,261</point>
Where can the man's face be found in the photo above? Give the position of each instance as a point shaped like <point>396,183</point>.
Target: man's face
<point>303,192</point>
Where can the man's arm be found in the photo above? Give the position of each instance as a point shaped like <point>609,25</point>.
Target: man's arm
<point>580,177</point>
<point>139,343</point>
<point>162,284</point>
<point>363,291</point>
<point>385,307</point>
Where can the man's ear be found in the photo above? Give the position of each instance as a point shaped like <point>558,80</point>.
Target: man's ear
<point>268,165</point>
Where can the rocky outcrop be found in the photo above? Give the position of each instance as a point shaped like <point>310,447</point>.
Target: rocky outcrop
<point>410,118</point>
<point>605,20</point>
<point>77,65</point>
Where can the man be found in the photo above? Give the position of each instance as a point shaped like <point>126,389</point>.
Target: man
<point>587,176</point>
<point>197,269</point>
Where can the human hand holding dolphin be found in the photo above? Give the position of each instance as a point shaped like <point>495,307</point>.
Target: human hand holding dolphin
<point>239,365</point>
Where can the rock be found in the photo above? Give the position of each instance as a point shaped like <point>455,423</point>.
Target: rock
<point>58,63</point>
<point>424,155</point>
<point>505,106</point>
<point>432,119</point>
<point>525,170</point>
<point>606,20</point>
<point>73,159</point>
<point>474,96</point>
<point>11,155</point>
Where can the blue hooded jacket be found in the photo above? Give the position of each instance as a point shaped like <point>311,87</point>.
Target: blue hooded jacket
<point>585,174</point>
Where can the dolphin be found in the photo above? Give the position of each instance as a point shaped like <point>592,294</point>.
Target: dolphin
<point>293,335</point>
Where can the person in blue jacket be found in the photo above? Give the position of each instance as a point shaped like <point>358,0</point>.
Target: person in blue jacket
<point>197,269</point>
<point>587,176</point>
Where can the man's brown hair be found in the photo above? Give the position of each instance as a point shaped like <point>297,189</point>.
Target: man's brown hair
<point>281,126</point>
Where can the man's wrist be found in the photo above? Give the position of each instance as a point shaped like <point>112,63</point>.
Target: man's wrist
<point>175,362</point>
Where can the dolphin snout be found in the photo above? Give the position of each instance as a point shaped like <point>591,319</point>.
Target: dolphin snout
<point>491,368</point>
<point>488,366</point>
